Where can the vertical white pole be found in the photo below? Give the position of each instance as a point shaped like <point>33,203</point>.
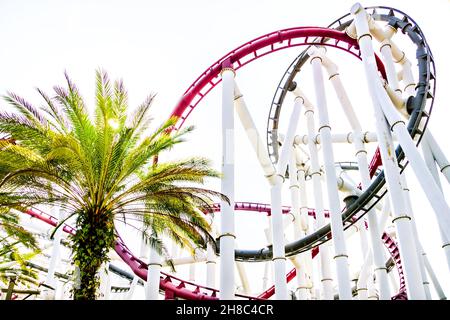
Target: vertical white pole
<point>227,236</point>
<point>210,266</point>
<point>295,201</point>
<point>441,159</point>
<point>361,156</point>
<point>374,230</point>
<point>436,284</point>
<point>337,230</point>
<point>192,272</point>
<point>105,282</point>
<point>55,257</point>
<point>265,278</point>
<point>279,259</point>
<point>401,220</point>
<point>324,253</point>
<point>129,295</point>
<point>153,275</point>
<point>420,251</point>
<point>393,83</point>
<point>429,158</point>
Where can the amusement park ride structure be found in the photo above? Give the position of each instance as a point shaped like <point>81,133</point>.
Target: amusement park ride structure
<point>303,156</point>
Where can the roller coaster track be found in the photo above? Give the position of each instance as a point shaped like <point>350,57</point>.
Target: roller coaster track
<point>174,287</point>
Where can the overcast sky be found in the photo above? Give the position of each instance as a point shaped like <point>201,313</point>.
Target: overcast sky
<point>163,46</point>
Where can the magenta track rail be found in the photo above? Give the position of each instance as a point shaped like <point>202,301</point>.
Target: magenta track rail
<point>175,287</point>
<point>257,48</point>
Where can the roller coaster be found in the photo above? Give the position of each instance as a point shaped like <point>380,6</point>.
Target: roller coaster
<point>364,199</point>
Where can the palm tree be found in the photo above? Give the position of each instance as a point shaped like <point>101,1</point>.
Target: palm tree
<point>100,167</point>
<point>17,247</point>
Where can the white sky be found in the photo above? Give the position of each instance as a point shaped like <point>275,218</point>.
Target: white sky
<point>162,46</point>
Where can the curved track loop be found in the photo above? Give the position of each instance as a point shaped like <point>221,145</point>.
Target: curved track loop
<point>175,287</point>
<point>257,48</point>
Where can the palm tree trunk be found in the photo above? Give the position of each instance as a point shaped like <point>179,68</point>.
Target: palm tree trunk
<point>91,244</point>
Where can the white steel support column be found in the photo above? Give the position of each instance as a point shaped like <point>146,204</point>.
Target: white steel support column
<point>279,259</point>
<point>265,278</point>
<point>324,253</point>
<point>55,257</point>
<point>129,295</point>
<point>153,275</point>
<point>438,154</point>
<point>298,232</point>
<point>429,158</point>
<point>401,219</point>
<point>393,84</point>
<point>210,266</point>
<point>436,284</point>
<point>337,230</point>
<point>420,251</point>
<point>227,236</point>
<point>361,156</point>
<point>362,283</point>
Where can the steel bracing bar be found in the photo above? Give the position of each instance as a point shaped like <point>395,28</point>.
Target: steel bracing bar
<point>227,236</point>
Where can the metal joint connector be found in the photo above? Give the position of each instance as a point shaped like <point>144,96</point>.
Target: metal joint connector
<point>154,264</point>
<point>340,256</point>
<point>401,217</point>
<point>381,268</point>
<point>365,35</point>
<point>323,127</point>
<point>386,44</point>
<point>300,97</point>
<point>316,57</point>
<point>279,258</point>
<point>401,59</point>
<point>360,151</point>
<point>333,75</point>
<point>228,69</point>
<point>227,234</point>
<point>281,176</point>
<point>396,123</point>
